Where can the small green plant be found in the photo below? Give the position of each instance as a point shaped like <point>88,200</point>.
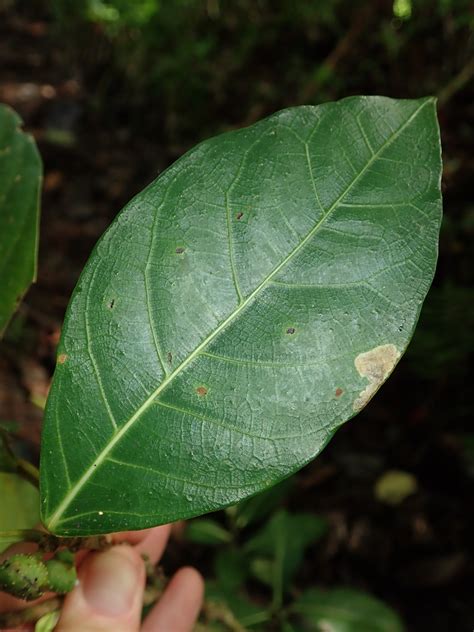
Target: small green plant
<point>259,552</point>
<point>238,311</point>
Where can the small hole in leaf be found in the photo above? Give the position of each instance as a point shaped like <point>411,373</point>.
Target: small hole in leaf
<point>179,250</point>
<point>239,215</point>
<point>290,330</point>
<point>201,391</point>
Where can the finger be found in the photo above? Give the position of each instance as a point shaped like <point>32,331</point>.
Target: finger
<point>150,542</point>
<point>8,603</point>
<point>154,543</point>
<point>18,547</point>
<point>132,537</point>
<point>179,606</point>
<point>109,595</point>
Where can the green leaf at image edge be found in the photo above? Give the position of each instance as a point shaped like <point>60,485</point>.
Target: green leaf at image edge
<point>238,311</point>
<point>20,181</point>
<point>19,506</point>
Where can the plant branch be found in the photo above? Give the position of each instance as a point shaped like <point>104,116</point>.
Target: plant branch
<point>27,535</point>
<point>49,542</point>
<point>457,83</point>
<point>28,471</point>
<point>344,46</point>
<point>23,468</point>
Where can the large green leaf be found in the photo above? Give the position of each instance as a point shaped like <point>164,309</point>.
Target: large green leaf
<point>238,311</point>
<point>20,179</point>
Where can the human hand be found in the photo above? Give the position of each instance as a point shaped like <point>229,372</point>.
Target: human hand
<point>109,594</point>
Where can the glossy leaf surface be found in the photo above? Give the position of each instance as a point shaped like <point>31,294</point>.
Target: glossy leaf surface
<point>238,311</point>
<point>20,178</point>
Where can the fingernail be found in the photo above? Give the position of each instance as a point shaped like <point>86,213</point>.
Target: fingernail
<point>111,579</point>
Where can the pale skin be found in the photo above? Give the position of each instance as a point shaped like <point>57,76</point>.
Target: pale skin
<point>109,594</point>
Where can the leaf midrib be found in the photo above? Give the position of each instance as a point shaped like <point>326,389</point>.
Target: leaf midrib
<point>73,491</point>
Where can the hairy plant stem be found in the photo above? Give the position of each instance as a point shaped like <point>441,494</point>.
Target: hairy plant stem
<point>49,542</point>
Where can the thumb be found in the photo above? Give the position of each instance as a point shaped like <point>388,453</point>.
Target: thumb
<point>109,594</point>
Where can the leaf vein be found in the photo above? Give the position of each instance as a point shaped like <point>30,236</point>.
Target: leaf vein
<point>212,420</point>
<point>92,356</point>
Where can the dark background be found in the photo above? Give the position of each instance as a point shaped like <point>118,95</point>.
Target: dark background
<point>114,91</point>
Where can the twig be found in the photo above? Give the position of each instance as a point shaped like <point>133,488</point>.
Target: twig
<point>27,535</point>
<point>456,83</point>
<point>23,468</point>
<point>28,471</point>
<point>344,46</point>
<point>49,542</point>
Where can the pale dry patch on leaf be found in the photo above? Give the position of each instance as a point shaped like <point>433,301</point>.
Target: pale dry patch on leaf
<point>375,365</point>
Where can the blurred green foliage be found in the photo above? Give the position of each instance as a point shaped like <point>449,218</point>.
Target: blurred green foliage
<point>255,571</point>
<point>343,610</point>
<point>205,64</point>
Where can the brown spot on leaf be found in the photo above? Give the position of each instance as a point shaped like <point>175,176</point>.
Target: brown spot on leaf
<point>179,250</point>
<point>201,391</point>
<point>239,215</point>
<point>375,365</point>
<point>112,303</point>
<point>169,357</point>
<point>290,330</point>
<point>62,357</point>
<point>339,392</point>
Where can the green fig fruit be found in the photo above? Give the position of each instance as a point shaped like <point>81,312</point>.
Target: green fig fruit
<point>62,575</point>
<point>24,576</point>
